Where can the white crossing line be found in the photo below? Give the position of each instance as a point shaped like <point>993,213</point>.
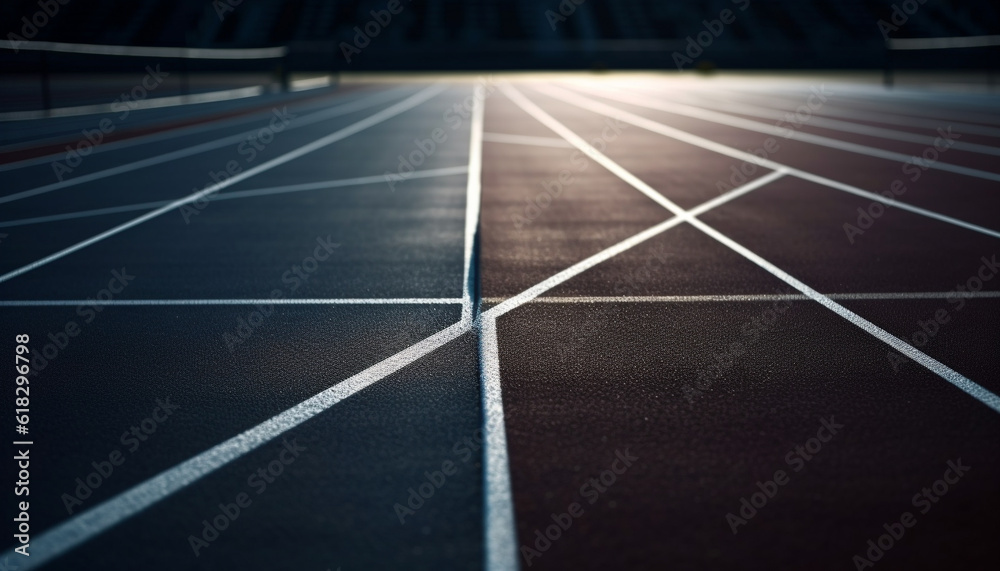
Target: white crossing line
<point>261,301</point>
<point>971,388</point>
<point>749,125</point>
<point>321,185</point>
<point>752,297</point>
<point>303,121</point>
<point>526,140</point>
<point>501,536</point>
<point>473,194</point>
<point>361,125</point>
<point>683,136</point>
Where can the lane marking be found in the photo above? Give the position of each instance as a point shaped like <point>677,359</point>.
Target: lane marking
<point>526,140</point>
<point>254,192</point>
<point>303,121</point>
<point>844,126</point>
<point>262,301</point>
<point>473,197</point>
<point>965,384</point>
<point>752,297</point>
<point>361,125</point>
<point>193,129</point>
<point>749,125</point>
<point>683,136</point>
<point>501,535</point>
<point>65,536</point>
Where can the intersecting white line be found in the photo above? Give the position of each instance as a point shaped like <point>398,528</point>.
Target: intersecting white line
<point>971,388</point>
<point>361,125</point>
<point>303,121</point>
<point>749,125</point>
<point>752,297</point>
<point>685,137</point>
<point>253,192</point>
<point>67,535</point>
<point>262,301</point>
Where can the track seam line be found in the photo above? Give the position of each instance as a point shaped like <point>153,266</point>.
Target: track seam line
<point>965,384</point>
<point>753,297</point>
<point>263,301</point>
<point>473,198</point>
<point>361,125</point>
<point>695,140</point>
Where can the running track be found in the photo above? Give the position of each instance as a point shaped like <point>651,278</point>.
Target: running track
<point>664,283</point>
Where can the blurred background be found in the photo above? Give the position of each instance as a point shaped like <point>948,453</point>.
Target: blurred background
<point>329,36</point>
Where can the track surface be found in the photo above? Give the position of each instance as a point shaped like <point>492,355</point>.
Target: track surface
<point>584,299</point>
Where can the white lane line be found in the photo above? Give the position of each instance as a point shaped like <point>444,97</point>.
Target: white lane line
<point>526,140</point>
<point>361,125</point>
<point>753,297</point>
<point>833,110</point>
<point>749,125</point>
<point>151,103</point>
<point>683,136</point>
<point>971,388</point>
<point>303,121</point>
<point>321,185</point>
<point>501,536</point>
<point>201,127</point>
<point>844,126</point>
<point>69,534</point>
<point>473,192</point>
<point>65,536</point>
<point>262,301</point>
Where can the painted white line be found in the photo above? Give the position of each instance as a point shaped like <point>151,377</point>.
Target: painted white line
<point>683,136</point>
<point>201,127</point>
<point>753,297</point>
<point>303,121</point>
<point>473,196</point>
<point>151,103</point>
<point>361,125</point>
<point>833,110</point>
<point>262,301</point>
<point>749,125</point>
<point>312,83</point>
<point>65,536</point>
<point>526,140</point>
<point>844,126</point>
<point>971,388</point>
<point>501,536</point>
<point>146,51</point>
<point>322,185</point>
